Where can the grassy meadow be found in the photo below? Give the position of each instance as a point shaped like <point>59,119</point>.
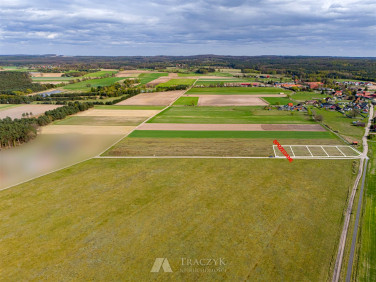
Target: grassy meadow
<point>147,77</point>
<point>218,115</point>
<point>186,101</point>
<point>100,73</point>
<point>338,122</point>
<point>278,100</point>
<point>366,264</point>
<point>101,121</point>
<point>174,82</point>
<point>304,96</point>
<point>84,85</point>
<point>231,134</point>
<point>109,219</point>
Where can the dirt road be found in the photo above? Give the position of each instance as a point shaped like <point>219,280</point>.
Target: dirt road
<point>362,170</point>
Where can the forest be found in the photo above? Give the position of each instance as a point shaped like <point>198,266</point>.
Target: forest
<point>12,82</point>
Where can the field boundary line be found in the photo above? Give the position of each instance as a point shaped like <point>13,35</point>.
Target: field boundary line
<point>340,151</point>
<point>322,147</point>
<point>222,157</point>
<point>309,151</point>
<point>292,151</point>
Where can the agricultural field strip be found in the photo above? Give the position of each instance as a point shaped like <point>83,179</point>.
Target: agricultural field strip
<point>231,127</point>
<point>234,96</point>
<point>145,121</point>
<point>86,159</point>
<point>321,147</point>
<point>70,165</point>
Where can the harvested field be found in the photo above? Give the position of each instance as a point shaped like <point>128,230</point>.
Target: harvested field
<point>231,127</point>
<point>153,99</point>
<point>230,100</point>
<point>41,74</point>
<point>243,147</point>
<point>16,112</point>
<point>118,113</point>
<point>131,73</point>
<point>101,120</point>
<point>86,129</point>
<point>49,82</point>
<point>161,79</point>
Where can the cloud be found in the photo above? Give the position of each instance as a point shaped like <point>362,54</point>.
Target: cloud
<point>246,27</point>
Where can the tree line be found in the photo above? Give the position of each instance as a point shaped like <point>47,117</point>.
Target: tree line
<point>300,66</point>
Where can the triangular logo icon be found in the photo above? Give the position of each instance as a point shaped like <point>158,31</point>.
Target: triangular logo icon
<point>161,263</point>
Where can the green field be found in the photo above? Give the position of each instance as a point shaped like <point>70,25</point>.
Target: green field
<point>278,100</point>
<point>208,82</point>
<point>366,265</point>
<point>237,90</point>
<point>99,73</point>
<point>242,114</point>
<point>101,121</point>
<point>13,68</point>
<point>244,147</point>
<point>219,74</point>
<point>336,121</point>
<point>304,96</point>
<point>126,107</point>
<point>7,106</point>
<point>231,134</point>
<point>174,82</point>
<point>109,220</point>
<point>147,77</point>
<point>186,101</point>
<point>38,79</point>
<point>83,85</point>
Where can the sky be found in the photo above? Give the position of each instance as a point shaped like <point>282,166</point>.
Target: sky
<point>181,27</point>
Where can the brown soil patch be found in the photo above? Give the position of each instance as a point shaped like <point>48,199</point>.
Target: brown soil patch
<point>50,82</point>
<point>86,129</point>
<point>118,113</point>
<point>131,73</point>
<point>229,100</point>
<point>162,79</point>
<point>17,112</point>
<point>231,127</point>
<point>43,74</point>
<point>153,99</point>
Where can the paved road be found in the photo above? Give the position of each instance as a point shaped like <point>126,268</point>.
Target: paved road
<point>341,248</point>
